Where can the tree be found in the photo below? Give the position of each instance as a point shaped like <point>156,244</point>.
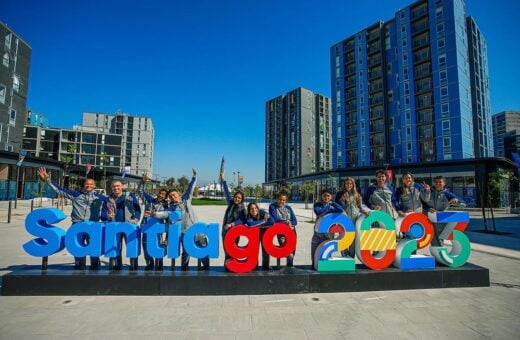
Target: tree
<point>258,192</point>
<point>307,188</point>
<point>170,182</point>
<point>499,181</point>
<point>182,183</point>
<point>248,191</point>
<point>68,157</point>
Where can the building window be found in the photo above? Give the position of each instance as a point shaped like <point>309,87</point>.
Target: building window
<point>2,93</point>
<point>442,60</point>
<point>440,43</point>
<point>444,92</point>
<point>445,108</point>
<point>16,83</point>
<point>440,27</point>
<point>5,60</point>
<point>443,75</point>
<point>8,40</point>
<point>12,117</point>
<point>445,125</point>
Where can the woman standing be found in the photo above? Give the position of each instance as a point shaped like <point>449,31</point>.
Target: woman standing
<point>260,218</point>
<point>235,212</point>
<point>411,196</point>
<point>350,200</point>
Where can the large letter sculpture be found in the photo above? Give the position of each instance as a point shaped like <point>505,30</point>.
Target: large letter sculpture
<point>457,222</point>
<point>51,239</point>
<point>370,239</point>
<point>419,232</point>
<point>334,223</point>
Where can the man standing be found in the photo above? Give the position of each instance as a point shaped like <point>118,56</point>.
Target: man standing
<point>188,217</point>
<point>122,207</point>
<point>154,208</point>
<point>381,196</point>
<point>87,205</point>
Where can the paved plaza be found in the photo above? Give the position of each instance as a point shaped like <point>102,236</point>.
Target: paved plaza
<point>459,313</point>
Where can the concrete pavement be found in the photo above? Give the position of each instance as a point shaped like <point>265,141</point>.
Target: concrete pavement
<point>464,313</point>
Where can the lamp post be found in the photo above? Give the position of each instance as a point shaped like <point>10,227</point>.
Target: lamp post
<point>238,179</point>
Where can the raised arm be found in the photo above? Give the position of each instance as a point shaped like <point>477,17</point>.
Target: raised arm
<point>189,192</point>
<point>44,176</point>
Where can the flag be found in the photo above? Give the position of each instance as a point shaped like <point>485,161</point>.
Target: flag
<point>21,157</point>
<point>221,167</point>
<point>88,167</point>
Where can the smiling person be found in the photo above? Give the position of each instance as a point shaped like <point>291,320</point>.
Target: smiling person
<point>381,195</point>
<point>282,212</point>
<point>87,205</point>
<point>322,208</point>
<point>257,217</point>
<point>235,212</point>
<point>411,196</point>
<point>188,218</point>
<point>154,207</point>
<point>440,199</point>
<point>122,207</point>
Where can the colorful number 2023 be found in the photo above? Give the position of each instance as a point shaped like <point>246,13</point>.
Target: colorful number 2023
<point>376,245</point>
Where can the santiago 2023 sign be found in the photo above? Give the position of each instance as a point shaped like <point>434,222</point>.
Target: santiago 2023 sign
<point>418,228</point>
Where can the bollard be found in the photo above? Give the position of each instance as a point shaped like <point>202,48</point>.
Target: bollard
<point>9,212</point>
<point>32,205</point>
<point>172,267</point>
<point>45,262</point>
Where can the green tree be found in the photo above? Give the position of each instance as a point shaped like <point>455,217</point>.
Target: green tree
<point>170,182</point>
<point>258,192</point>
<point>308,188</point>
<point>182,184</point>
<point>68,157</point>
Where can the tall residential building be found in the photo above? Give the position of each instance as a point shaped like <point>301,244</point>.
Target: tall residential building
<point>137,133</point>
<point>478,68</point>
<point>298,127</point>
<point>504,122</point>
<point>401,89</point>
<point>14,85</point>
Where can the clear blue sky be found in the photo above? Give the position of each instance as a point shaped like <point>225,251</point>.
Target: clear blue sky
<point>203,70</point>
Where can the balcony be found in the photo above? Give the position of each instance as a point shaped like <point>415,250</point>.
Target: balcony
<point>374,48</point>
<point>374,60</point>
<point>421,56</point>
<point>374,35</point>
<point>419,12</point>
<point>420,26</point>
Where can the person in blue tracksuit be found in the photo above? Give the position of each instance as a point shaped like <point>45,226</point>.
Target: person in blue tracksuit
<point>257,217</point>
<point>122,207</point>
<point>153,208</point>
<point>283,213</point>
<point>381,195</point>
<point>87,205</point>
<point>235,212</point>
<point>440,199</point>
<point>322,208</point>
<point>188,218</point>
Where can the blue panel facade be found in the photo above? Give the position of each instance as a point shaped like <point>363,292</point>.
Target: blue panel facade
<point>408,81</point>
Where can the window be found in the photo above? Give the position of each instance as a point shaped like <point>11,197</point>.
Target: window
<point>440,27</point>
<point>443,75</point>
<point>5,60</point>
<point>8,40</point>
<point>440,43</point>
<point>445,108</point>
<point>445,125</point>
<point>16,83</point>
<point>442,60</point>
<point>2,93</point>
<point>12,117</point>
<point>444,91</point>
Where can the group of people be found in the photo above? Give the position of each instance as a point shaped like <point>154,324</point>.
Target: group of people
<point>409,197</point>
<point>123,206</point>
